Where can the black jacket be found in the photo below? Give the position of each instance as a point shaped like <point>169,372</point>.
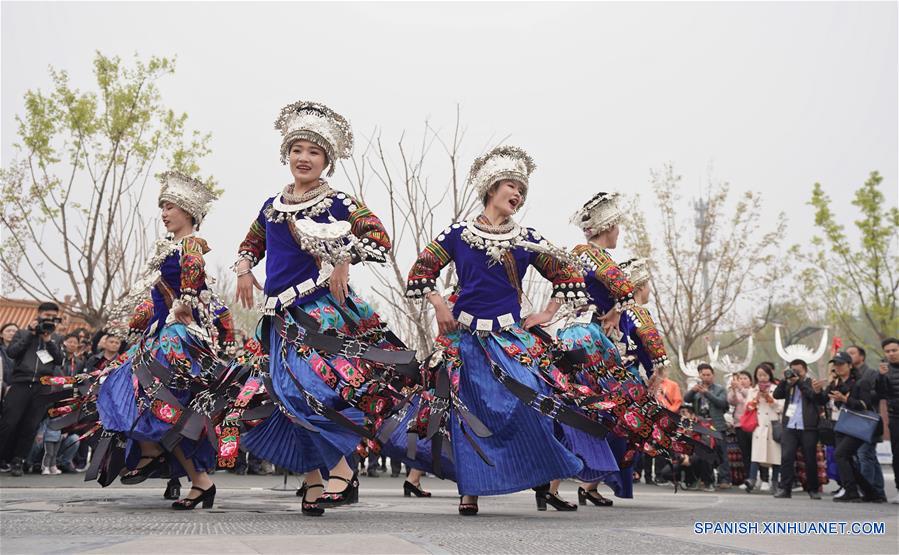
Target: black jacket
<point>861,396</point>
<point>27,367</point>
<point>888,388</point>
<point>810,401</point>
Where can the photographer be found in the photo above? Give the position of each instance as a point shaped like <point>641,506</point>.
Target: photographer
<point>709,400</point>
<point>888,388</point>
<point>800,427</point>
<point>848,390</point>
<point>34,354</point>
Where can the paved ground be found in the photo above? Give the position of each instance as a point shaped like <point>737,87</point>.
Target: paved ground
<point>62,514</point>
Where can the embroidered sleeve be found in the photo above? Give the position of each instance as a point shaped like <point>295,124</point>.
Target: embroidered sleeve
<point>650,347</point>
<point>599,265</point>
<point>140,318</point>
<point>558,268</point>
<point>374,243</point>
<point>253,246</point>
<point>423,276</point>
<point>193,269</point>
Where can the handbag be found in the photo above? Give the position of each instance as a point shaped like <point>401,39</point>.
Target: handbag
<point>749,420</point>
<point>825,429</point>
<point>777,430</point>
<point>858,424</point>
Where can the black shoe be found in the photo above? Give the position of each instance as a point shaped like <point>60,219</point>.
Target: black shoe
<point>467,509</point>
<point>16,470</point>
<point>650,481</point>
<point>138,475</point>
<point>310,508</point>
<point>394,474</point>
<point>814,495</point>
<point>853,497</point>
<point>410,489</point>
<point>372,472</point>
<point>206,498</point>
<point>301,491</point>
<point>593,496</point>
<point>4,467</point>
<point>349,495</point>
<point>783,493</point>
<point>544,496</point>
<point>172,489</point>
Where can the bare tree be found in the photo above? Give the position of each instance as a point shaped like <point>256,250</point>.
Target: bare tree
<point>713,278</point>
<point>418,208</point>
<point>71,212</point>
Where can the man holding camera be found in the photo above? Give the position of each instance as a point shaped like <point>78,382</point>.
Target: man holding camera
<point>709,400</point>
<point>800,427</point>
<point>34,355</point>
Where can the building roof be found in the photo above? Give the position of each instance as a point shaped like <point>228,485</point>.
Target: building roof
<point>22,312</point>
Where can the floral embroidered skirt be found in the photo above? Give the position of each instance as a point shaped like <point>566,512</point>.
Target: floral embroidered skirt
<point>125,406</point>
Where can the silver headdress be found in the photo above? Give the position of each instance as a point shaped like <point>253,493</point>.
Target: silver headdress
<point>503,162</point>
<point>599,214</point>
<point>189,194</point>
<point>637,270</point>
<point>316,123</point>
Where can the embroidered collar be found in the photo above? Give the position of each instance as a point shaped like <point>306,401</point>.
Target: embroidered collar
<point>279,211</point>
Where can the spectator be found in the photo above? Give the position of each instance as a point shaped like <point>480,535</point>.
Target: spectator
<point>765,449</point>
<point>7,332</point>
<point>868,464</point>
<point>709,400</point>
<point>847,390</point>
<point>669,396</point>
<point>108,350</point>
<point>739,393</point>
<point>72,362</point>
<point>800,427</point>
<point>888,388</point>
<point>34,355</point>
<point>697,468</point>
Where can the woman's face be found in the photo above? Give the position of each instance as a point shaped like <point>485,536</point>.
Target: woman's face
<point>744,380</point>
<point>307,161</point>
<point>761,376</point>
<point>507,198</point>
<point>175,219</point>
<point>9,332</point>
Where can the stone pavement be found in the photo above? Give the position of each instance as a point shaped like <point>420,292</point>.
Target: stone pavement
<point>62,514</point>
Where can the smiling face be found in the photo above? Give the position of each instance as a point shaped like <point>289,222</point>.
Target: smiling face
<point>307,162</point>
<point>176,220</point>
<point>506,197</point>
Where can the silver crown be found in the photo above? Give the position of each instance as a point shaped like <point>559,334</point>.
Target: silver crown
<point>503,162</point>
<point>187,193</point>
<point>636,270</point>
<point>315,122</point>
<point>599,214</point>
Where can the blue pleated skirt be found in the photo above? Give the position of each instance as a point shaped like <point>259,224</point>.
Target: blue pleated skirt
<point>117,402</point>
<point>291,446</point>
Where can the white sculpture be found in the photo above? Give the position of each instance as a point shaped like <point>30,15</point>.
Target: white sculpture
<point>729,365</point>
<point>801,352</point>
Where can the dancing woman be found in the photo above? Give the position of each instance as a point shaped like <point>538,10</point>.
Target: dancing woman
<point>489,372</point>
<point>331,360</point>
<point>157,396</point>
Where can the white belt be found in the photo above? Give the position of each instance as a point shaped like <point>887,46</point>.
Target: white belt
<point>485,324</point>
<point>287,296</point>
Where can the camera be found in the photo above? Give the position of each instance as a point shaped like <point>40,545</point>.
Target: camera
<point>789,374</point>
<point>46,325</point>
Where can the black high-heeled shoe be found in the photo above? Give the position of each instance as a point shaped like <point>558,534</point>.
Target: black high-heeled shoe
<point>544,496</point>
<point>467,509</point>
<point>301,491</point>
<point>206,497</point>
<point>172,489</point>
<point>348,496</point>
<point>138,475</point>
<point>409,489</point>
<point>310,508</point>
<point>584,495</point>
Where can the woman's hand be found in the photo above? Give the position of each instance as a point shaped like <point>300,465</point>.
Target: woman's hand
<point>339,282</point>
<point>183,314</point>
<point>538,319</point>
<point>445,321</point>
<point>610,320</point>
<point>246,283</point>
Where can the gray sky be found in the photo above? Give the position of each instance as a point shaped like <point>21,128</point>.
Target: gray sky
<point>775,96</point>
